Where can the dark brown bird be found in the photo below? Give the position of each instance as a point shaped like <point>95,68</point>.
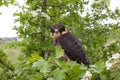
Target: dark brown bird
<point>69,43</point>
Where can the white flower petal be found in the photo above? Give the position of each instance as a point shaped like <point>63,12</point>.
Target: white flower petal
<point>116,56</point>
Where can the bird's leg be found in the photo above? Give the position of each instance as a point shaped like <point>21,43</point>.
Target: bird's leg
<point>65,58</point>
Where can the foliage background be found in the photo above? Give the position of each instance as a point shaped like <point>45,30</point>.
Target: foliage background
<point>39,59</point>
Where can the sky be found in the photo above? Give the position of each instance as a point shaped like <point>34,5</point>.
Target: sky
<point>7,19</point>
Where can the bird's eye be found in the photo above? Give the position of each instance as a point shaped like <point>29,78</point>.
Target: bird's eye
<point>62,29</point>
<point>52,30</point>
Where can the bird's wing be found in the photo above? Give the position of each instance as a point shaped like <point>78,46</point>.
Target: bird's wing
<point>73,41</point>
<point>73,48</point>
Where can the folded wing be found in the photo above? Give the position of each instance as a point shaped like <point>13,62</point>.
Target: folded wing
<point>73,48</point>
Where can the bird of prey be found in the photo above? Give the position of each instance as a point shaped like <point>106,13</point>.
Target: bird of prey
<point>69,43</point>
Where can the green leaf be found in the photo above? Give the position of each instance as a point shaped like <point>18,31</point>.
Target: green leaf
<point>18,70</point>
<point>98,67</point>
<point>58,74</point>
<point>50,78</point>
<point>42,65</point>
<point>59,52</point>
<point>34,57</point>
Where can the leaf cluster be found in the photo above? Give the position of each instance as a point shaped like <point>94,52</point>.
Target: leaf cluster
<point>40,60</point>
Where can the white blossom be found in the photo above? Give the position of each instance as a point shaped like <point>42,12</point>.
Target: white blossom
<point>116,56</point>
<point>108,43</point>
<point>112,60</point>
<point>108,65</point>
<point>45,15</point>
<point>87,76</point>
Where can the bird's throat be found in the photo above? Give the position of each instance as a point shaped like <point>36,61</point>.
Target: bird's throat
<point>55,36</point>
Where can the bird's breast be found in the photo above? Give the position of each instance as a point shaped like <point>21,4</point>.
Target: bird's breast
<point>54,35</point>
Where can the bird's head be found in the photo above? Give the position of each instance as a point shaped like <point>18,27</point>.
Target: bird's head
<point>57,30</point>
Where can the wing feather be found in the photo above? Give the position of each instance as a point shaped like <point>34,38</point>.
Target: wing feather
<point>73,48</point>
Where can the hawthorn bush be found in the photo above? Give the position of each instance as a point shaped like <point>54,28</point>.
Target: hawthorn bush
<point>91,22</point>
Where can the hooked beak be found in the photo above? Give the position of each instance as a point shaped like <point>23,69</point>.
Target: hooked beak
<point>56,30</point>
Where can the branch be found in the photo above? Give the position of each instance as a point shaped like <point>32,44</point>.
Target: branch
<point>56,64</point>
<point>7,66</point>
